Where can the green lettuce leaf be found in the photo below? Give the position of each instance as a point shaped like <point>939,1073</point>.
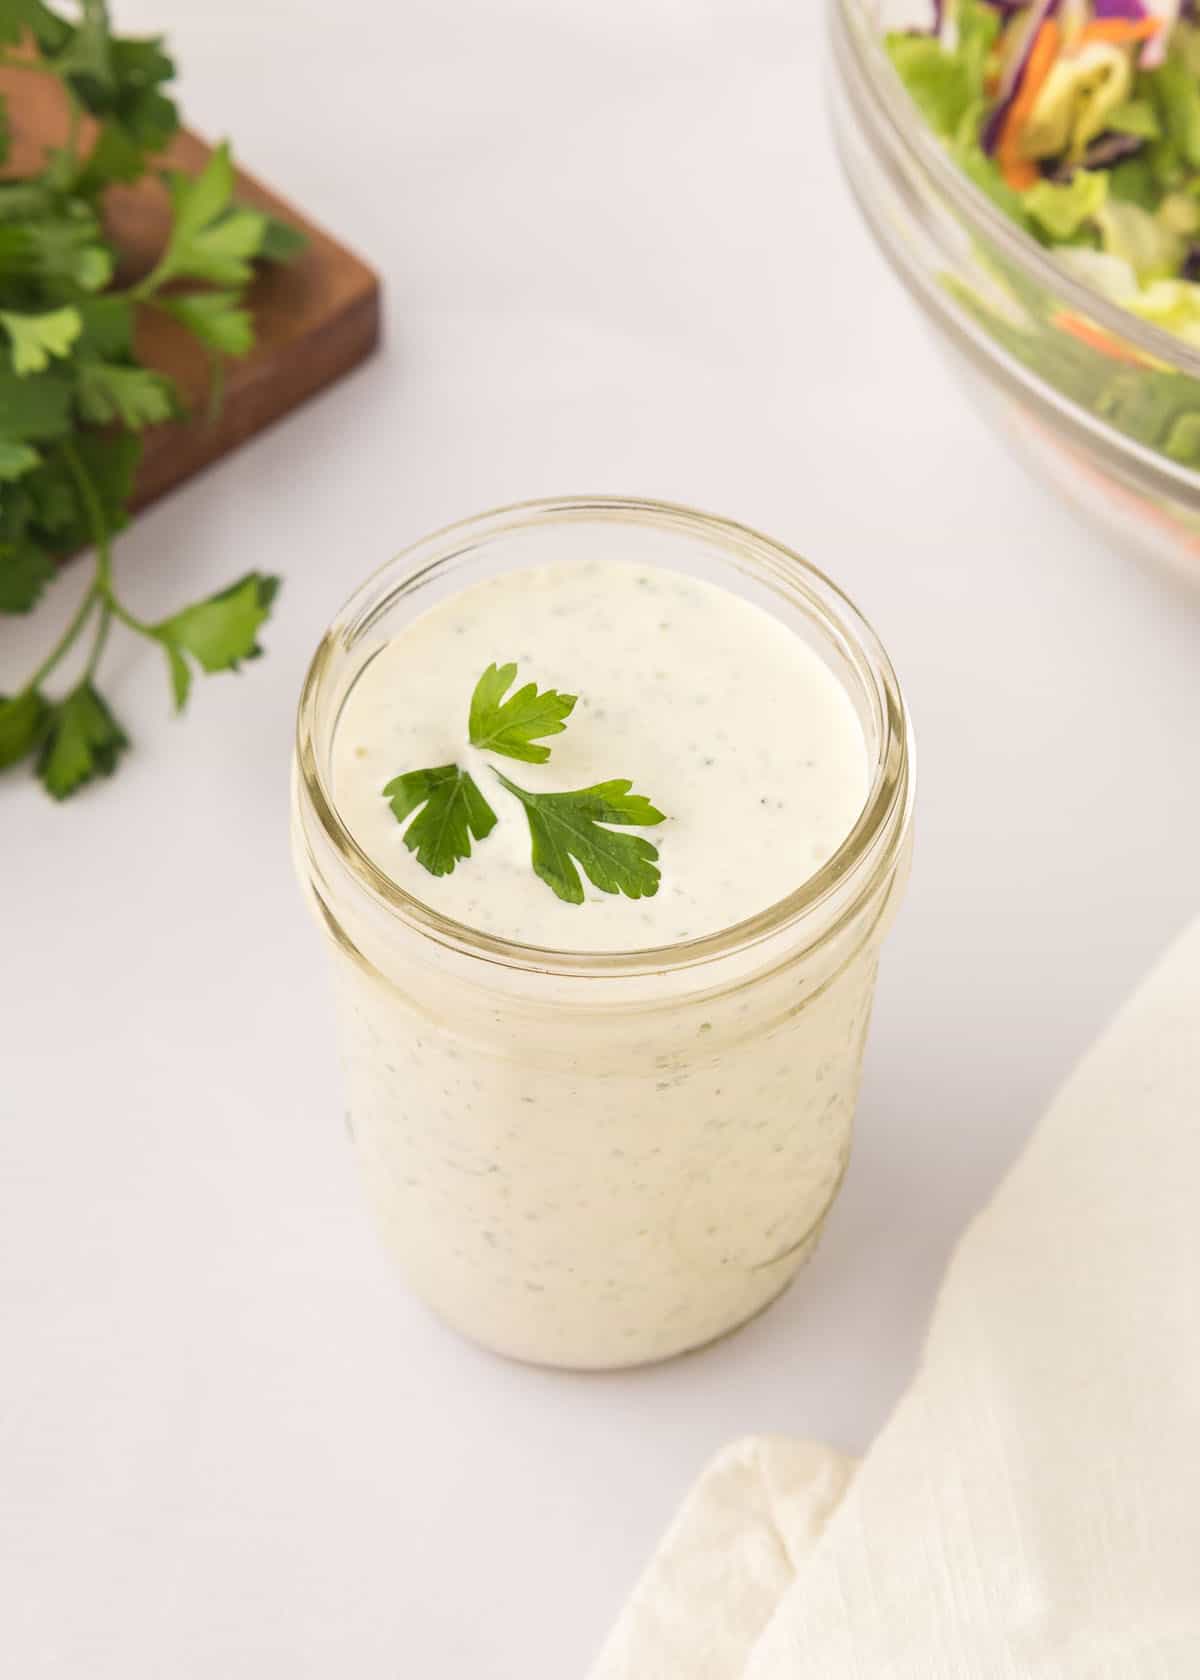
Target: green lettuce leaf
<point>1137,117</point>
<point>1176,94</point>
<point>1061,211</point>
<point>947,83</point>
<point>1083,88</point>
<point>1151,249</point>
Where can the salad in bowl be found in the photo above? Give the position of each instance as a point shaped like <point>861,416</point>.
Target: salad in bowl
<point>1081,120</point>
<point>1032,169</point>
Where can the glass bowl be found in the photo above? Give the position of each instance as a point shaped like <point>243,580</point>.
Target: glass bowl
<point>1105,404</point>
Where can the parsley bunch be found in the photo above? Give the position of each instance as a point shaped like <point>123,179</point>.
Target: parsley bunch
<point>564,828</point>
<point>74,398</point>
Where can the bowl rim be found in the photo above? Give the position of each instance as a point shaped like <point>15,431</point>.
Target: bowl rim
<point>914,134</point>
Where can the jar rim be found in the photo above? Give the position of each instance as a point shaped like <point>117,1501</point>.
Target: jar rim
<point>873,845</point>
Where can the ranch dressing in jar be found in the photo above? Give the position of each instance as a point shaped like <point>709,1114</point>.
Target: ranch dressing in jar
<point>601,1133</point>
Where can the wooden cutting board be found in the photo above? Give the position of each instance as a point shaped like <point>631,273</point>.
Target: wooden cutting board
<point>314,318</point>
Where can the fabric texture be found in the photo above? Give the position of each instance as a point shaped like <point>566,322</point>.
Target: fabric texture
<point>1032,1508</point>
<point>730,1555</point>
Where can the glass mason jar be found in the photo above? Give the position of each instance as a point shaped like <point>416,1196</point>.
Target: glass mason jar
<point>603,1159</point>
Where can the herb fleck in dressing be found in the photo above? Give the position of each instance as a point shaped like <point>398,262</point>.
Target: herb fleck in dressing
<point>735,727</point>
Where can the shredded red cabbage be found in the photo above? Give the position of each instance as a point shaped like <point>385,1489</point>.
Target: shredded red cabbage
<point>1108,149</point>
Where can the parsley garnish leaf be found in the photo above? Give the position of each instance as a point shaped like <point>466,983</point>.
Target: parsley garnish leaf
<point>62,518</point>
<point>74,394</point>
<point>82,740</point>
<point>454,811</point>
<point>16,16</point>
<point>215,318</point>
<point>86,58</point>
<point>218,632</point>
<point>116,156</point>
<point>512,726</point>
<point>35,338</point>
<point>222,251</point>
<point>211,239</point>
<point>22,719</point>
<point>16,459</point>
<point>136,396</point>
<point>34,409</point>
<point>281,242</point>
<point>567,827</point>
<point>198,200</point>
<point>25,570</point>
<point>107,328</point>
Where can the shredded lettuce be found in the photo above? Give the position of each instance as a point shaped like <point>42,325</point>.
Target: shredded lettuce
<point>1097,156</point>
<point>1080,120</point>
<point>947,84</point>
<point>1172,304</point>
<point>977,26</point>
<point>1133,182</point>
<point>1075,101</point>
<point>1141,239</point>
<point>1183,439</point>
<point>935,78</point>
<point>984,171</point>
<point>1061,211</point>
<point>1180,212</point>
<point>1137,117</point>
<point>1176,93</point>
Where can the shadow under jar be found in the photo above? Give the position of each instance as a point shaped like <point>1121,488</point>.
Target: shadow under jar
<point>604,1158</point>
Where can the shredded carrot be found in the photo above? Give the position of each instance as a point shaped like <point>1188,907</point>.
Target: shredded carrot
<point>1120,31</point>
<point>1087,332</point>
<point>1019,172</point>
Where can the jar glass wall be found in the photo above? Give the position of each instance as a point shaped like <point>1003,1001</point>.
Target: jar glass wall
<point>601,1159</point>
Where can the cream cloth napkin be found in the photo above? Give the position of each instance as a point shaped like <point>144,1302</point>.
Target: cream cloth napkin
<point>1032,1508</point>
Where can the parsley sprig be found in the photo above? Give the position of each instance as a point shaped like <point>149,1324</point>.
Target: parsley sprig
<point>453,812</point>
<point>565,829</point>
<point>513,726</point>
<point>566,826</point>
<point>74,397</point>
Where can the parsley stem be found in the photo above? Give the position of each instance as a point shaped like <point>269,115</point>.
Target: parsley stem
<point>143,291</point>
<point>66,641</point>
<point>103,585</point>
<point>102,629</point>
<point>128,619</point>
<point>95,515</point>
<point>99,590</point>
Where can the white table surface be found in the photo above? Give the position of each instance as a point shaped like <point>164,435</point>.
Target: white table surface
<point>618,256</point>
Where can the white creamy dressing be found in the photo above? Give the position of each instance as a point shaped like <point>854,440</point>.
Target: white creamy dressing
<point>726,720</point>
<point>587,1186</point>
